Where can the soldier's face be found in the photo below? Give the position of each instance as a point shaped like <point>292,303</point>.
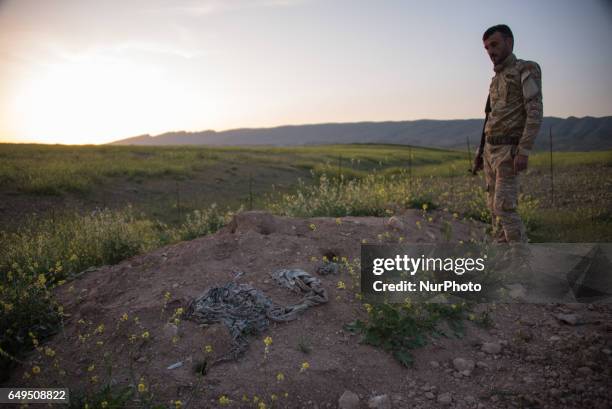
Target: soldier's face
<point>498,47</point>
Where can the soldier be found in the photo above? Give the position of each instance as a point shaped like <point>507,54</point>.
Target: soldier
<point>514,116</point>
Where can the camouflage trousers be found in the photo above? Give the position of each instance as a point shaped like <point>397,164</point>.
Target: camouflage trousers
<point>502,193</point>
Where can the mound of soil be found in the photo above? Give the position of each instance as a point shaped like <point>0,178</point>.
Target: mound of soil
<point>528,358</point>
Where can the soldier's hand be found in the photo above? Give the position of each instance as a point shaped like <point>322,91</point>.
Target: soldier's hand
<point>478,164</point>
<point>520,163</point>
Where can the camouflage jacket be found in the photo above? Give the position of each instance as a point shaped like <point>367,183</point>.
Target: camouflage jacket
<point>516,102</point>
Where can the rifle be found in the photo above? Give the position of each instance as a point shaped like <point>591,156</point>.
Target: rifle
<point>478,161</point>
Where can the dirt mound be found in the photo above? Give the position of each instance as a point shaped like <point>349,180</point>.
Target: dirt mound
<point>123,326</point>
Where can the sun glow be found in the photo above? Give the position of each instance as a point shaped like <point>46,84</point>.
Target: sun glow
<point>95,100</point>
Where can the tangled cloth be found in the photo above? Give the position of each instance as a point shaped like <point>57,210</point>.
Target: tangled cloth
<point>245,310</point>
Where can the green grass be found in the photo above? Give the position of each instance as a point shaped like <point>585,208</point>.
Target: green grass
<point>401,328</point>
<point>46,252</point>
<point>57,169</point>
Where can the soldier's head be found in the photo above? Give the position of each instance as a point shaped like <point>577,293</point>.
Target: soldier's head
<point>498,41</point>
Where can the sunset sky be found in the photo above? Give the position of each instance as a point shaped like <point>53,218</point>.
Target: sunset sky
<point>79,71</point>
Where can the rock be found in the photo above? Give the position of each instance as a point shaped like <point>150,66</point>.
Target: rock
<point>171,330</point>
<point>395,223</point>
<point>469,399</point>
<point>380,402</point>
<point>554,338</point>
<point>429,395</point>
<point>445,398</point>
<point>175,365</point>
<point>397,398</point>
<point>516,291</point>
<point>570,319</point>
<point>348,400</point>
<point>482,365</point>
<point>434,364</point>
<point>492,347</point>
<point>462,365</point>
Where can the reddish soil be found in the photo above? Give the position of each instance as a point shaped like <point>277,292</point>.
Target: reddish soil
<point>543,362</point>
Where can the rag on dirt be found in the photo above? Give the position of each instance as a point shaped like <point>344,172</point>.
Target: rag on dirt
<point>245,310</point>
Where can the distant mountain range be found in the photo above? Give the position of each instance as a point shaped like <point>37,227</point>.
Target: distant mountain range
<point>570,134</point>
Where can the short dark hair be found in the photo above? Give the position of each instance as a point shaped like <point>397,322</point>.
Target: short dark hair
<point>502,28</point>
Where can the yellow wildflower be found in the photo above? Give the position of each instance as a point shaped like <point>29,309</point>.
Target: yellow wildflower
<point>145,335</point>
<point>124,317</point>
<point>208,349</point>
<point>338,220</point>
<point>312,227</point>
<point>141,387</point>
<point>224,400</point>
<point>304,366</point>
<point>36,369</point>
<point>341,285</point>
<point>280,377</point>
<point>104,404</point>
<point>91,367</point>
<point>268,341</point>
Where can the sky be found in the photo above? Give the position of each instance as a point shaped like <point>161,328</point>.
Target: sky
<point>81,71</point>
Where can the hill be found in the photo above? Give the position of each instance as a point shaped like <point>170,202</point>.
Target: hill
<point>569,134</point>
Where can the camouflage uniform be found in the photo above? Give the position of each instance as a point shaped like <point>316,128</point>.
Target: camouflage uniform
<point>514,121</point>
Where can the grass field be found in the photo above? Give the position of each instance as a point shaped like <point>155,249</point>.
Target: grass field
<point>98,205</point>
